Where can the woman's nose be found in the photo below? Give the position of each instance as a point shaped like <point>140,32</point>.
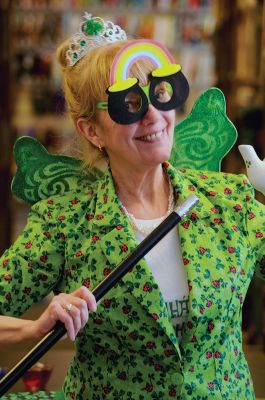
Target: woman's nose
<point>151,115</point>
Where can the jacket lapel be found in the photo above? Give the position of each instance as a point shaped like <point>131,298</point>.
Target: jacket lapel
<point>195,236</point>
<point>117,242</point>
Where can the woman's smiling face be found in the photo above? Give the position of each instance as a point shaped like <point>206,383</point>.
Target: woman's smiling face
<point>145,143</point>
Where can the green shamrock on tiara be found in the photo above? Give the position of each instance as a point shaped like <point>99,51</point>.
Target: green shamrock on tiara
<point>93,27</point>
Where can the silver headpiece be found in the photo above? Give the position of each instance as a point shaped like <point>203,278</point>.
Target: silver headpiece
<point>93,32</point>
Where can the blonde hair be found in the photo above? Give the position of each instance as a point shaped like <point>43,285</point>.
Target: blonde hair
<point>85,84</point>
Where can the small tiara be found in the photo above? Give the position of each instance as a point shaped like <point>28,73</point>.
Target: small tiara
<point>93,32</point>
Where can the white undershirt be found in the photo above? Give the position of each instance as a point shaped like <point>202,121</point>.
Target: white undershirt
<point>165,262</point>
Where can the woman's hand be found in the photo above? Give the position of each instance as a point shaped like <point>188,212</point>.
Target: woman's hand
<point>71,309</point>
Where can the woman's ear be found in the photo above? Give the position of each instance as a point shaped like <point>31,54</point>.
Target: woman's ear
<point>89,131</point>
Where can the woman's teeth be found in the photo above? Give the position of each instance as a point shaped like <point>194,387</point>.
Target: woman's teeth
<point>149,138</point>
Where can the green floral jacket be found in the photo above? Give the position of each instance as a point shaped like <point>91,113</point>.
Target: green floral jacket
<point>128,349</point>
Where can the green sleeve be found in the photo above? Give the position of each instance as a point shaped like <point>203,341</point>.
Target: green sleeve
<point>255,223</point>
<point>33,265</point>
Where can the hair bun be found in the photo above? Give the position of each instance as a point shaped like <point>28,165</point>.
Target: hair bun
<point>61,53</point>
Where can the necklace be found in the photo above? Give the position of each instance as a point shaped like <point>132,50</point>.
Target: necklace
<point>144,228</point>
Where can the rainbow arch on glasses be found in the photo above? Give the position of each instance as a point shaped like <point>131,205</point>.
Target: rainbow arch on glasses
<point>140,49</point>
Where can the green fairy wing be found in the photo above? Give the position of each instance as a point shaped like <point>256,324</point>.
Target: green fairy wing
<point>41,174</point>
<point>205,136</point>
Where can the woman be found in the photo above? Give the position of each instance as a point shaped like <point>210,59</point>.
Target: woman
<point>171,327</point>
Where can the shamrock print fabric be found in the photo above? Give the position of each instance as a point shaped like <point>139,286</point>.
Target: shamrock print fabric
<point>128,349</point>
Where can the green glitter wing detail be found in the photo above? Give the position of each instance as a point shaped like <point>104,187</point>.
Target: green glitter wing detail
<point>205,136</point>
<point>41,174</point>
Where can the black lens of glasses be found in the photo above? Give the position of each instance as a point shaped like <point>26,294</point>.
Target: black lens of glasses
<point>127,106</point>
<point>170,92</point>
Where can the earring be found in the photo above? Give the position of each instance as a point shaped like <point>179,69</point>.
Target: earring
<point>100,148</point>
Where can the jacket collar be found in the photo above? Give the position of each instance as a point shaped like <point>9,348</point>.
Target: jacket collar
<point>109,212</point>
<point>184,187</point>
